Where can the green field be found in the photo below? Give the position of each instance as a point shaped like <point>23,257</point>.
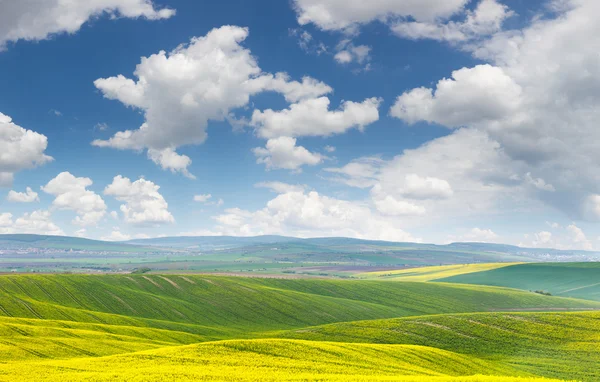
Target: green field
<point>581,280</point>
<point>199,327</point>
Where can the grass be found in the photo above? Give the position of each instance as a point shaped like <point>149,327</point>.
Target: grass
<point>233,304</point>
<point>559,345</point>
<point>432,273</point>
<point>173,327</point>
<point>580,280</point>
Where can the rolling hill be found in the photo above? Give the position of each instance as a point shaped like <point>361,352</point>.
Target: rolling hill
<point>198,327</point>
<point>559,345</point>
<point>580,280</point>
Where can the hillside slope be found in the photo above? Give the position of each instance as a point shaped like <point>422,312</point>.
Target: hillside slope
<point>580,280</point>
<point>559,345</point>
<point>241,304</point>
<point>267,360</point>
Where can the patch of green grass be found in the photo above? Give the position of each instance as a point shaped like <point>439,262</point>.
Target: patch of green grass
<point>580,280</point>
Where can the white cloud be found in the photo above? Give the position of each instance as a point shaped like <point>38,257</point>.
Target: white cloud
<point>168,159</point>
<point>29,196</point>
<point>72,194</point>
<point>542,118</point>
<point>281,188</point>
<point>361,172</point>
<point>570,237</point>
<point>485,20</point>
<point>312,117</point>
<point>37,222</point>
<point>388,205</point>
<point>416,187</point>
<point>471,97</point>
<point>181,91</point>
<point>80,233</point>
<point>311,215</point>
<point>144,205</point>
<point>329,149</point>
<point>202,198</point>
<point>116,235</point>
<point>349,14</point>
<point>114,215</point>
<point>19,149</point>
<point>282,153</point>
<point>347,52</point>
<point>40,19</point>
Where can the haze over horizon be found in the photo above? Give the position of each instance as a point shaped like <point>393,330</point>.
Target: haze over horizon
<point>436,122</point>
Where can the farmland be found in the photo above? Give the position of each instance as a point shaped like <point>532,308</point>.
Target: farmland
<point>202,327</point>
<point>319,309</point>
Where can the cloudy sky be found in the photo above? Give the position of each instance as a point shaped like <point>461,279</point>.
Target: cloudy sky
<point>403,120</point>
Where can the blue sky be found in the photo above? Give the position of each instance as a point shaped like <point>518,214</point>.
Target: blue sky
<point>441,121</point>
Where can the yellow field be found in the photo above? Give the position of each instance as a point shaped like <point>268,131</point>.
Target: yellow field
<point>268,360</point>
<point>433,273</point>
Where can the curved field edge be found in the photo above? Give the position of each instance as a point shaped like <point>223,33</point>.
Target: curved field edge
<point>269,359</point>
<point>559,345</point>
<point>433,272</point>
<point>222,305</point>
<point>578,280</point>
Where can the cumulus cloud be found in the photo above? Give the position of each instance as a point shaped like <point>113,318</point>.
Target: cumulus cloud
<point>347,52</point>
<point>311,215</point>
<point>282,153</point>
<point>542,119</point>
<point>181,91</point>
<point>388,205</point>
<point>349,15</point>
<point>72,194</point>
<point>168,159</point>
<point>570,237</point>
<point>485,20</point>
<point>143,204</point>
<point>40,19</point>
<point>471,97</point>
<point>19,149</point>
<point>29,196</point>
<point>312,117</point>
<point>36,222</point>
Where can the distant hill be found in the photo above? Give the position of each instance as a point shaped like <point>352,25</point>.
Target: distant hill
<point>63,243</point>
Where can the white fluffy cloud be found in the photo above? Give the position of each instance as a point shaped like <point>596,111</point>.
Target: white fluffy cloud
<point>144,205</point>
<point>349,14</point>
<point>312,117</point>
<point>168,159</point>
<point>486,19</point>
<point>181,91</point>
<point>282,153</point>
<point>388,205</point>
<point>72,194</point>
<point>570,237</point>
<point>472,96</point>
<point>36,222</point>
<point>312,215</point>
<point>39,19</point>
<point>347,52</point>
<point>541,118</point>
<point>19,149</point>
<point>29,196</point>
